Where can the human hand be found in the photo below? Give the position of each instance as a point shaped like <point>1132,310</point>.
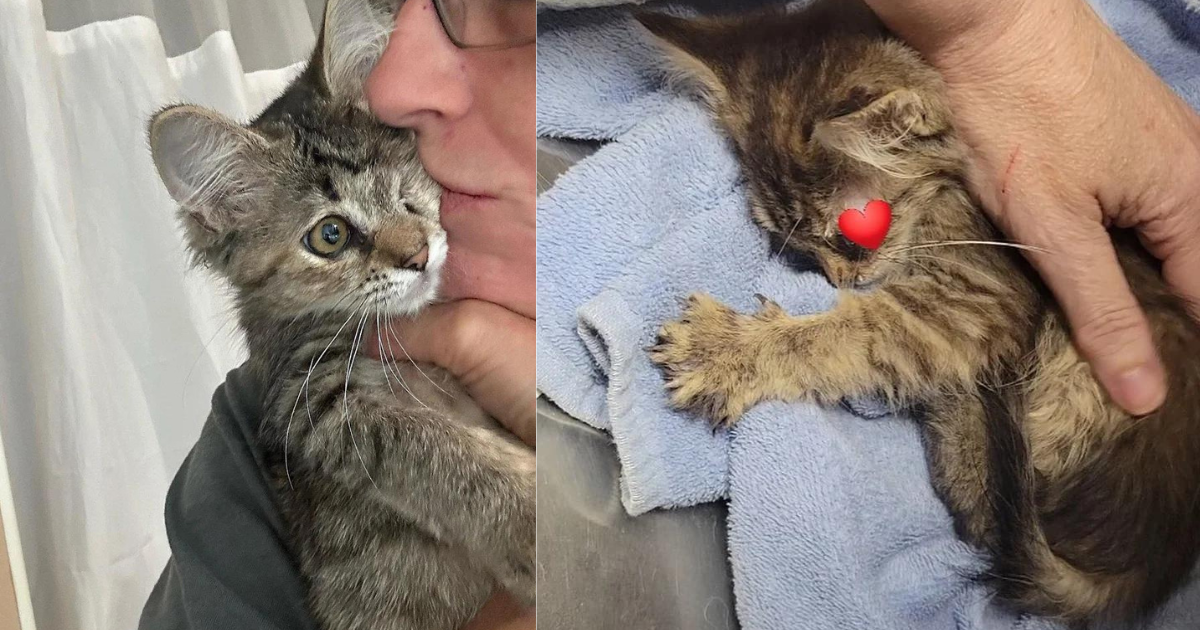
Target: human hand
<point>488,348</point>
<point>1071,133</point>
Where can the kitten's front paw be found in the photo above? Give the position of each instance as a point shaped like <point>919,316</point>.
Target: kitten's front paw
<point>710,358</point>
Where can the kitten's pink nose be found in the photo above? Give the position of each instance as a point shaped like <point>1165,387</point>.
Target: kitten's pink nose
<point>417,262</point>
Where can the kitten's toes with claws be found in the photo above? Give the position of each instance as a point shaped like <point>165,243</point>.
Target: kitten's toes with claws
<point>708,361</point>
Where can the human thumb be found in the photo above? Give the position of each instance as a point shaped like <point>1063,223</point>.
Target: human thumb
<point>1079,263</point>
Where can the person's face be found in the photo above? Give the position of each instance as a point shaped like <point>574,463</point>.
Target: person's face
<point>473,112</point>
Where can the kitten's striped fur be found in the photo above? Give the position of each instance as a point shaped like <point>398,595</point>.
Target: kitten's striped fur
<point>406,506</point>
<point>1087,512</point>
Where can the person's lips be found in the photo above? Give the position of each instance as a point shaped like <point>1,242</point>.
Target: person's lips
<point>454,201</point>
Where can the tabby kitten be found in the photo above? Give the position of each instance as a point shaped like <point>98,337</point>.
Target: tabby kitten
<point>1087,512</point>
<point>406,505</point>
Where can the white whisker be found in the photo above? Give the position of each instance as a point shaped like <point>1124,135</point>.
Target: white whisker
<point>396,371</point>
<point>396,338</point>
<point>304,392</point>
<point>788,238</point>
<point>912,258</point>
<point>993,243</point>
<point>186,379</point>
<point>318,361</point>
<point>382,361</point>
<point>354,345</point>
<point>331,309</point>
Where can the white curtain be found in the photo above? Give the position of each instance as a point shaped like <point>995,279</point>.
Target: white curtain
<point>110,346</point>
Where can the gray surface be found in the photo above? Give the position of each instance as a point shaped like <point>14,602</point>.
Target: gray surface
<point>185,24</point>
<point>599,568</point>
<point>554,157</point>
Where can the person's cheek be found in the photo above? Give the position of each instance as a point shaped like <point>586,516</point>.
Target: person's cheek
<point>511,109</point>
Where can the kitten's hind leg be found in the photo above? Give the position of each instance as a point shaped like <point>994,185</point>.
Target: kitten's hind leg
<point>956,446</point>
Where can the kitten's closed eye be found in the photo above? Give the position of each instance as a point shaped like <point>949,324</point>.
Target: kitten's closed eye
<point>852,251</point>
<point>858,98</point>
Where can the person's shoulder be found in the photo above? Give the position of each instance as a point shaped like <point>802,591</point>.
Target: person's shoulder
<point>237,406</point>
<point>230,566</point>
<point>227,440</point>
<point>226,461</point>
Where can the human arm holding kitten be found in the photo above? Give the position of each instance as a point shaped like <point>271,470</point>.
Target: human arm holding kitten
<point>1071,133</point>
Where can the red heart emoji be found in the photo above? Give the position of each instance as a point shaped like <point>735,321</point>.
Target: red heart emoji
<point>869,226</point>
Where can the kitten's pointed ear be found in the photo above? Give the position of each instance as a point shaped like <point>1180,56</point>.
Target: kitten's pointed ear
<point>691,47</point>
<point>353,38</point>
<point>871,128</point>
<point>210,165</point>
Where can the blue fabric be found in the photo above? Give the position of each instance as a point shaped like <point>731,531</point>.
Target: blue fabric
<point>832,519</point>
<point>1165,33</point>
<point>1182,17</point>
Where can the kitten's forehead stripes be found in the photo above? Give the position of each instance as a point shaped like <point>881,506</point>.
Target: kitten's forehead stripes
<point>329,189</point>
<point>323,153</point>
<point>336,154</point>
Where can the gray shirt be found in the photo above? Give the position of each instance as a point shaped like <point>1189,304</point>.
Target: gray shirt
<point>230,567</point>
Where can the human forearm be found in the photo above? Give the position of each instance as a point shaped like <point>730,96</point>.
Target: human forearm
<point>933,26</point>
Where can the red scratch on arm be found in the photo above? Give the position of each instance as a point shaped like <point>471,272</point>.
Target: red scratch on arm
<point>1012,161</point>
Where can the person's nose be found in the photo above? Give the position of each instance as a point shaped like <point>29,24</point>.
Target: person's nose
<point>421,76</point>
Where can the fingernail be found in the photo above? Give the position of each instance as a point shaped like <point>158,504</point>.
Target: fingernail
<point>1140,389</point>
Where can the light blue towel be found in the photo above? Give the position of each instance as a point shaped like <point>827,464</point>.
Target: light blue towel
<point>1166,33</point>
<point>832,519</point>
<point>1181,17</point>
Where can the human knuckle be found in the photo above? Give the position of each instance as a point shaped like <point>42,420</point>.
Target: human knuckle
<point>1106,327</point>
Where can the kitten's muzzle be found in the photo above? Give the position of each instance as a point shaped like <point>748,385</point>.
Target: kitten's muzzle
<point>417,262</point>
<point>404,245</point>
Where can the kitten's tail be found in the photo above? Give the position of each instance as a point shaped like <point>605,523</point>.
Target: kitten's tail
<point>1025,570</point>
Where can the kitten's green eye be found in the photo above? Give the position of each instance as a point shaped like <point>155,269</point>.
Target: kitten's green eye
<point>328,237</point>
